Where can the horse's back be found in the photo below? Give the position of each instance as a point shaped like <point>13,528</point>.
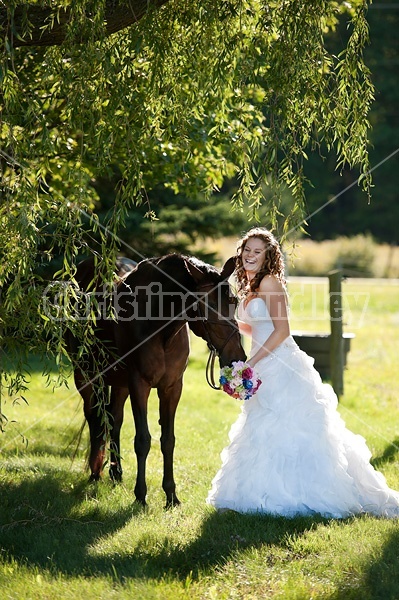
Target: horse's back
<point>88,271</point>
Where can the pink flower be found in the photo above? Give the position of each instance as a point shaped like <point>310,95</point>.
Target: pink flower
<point>247,373</point>
<point>228,389</point>
<point>256,386</point>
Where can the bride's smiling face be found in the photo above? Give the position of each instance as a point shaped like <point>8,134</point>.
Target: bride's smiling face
<point>253,256</point>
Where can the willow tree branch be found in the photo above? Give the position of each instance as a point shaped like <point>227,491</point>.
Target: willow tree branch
<point>48,26</point>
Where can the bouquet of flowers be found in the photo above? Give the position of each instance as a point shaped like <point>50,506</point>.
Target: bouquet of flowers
<point>240,380</point>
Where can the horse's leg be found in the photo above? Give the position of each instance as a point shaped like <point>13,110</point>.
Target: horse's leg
<point>117,403</point>
<point>94,401</point>
<point>169,397</point>
<point>139,391</point>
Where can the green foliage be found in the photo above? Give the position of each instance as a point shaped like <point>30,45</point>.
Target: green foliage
<point>190,95</point>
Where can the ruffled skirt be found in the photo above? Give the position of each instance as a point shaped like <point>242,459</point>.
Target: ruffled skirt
<point>291,454</point>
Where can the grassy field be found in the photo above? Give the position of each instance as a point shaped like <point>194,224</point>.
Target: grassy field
<point>62,538</point>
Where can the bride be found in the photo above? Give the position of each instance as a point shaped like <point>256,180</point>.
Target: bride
<point>290,452</point>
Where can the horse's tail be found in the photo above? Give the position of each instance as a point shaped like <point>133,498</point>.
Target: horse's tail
<point>76,441</point>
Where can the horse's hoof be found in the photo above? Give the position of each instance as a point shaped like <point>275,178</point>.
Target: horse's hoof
<point>94,477</point>
<point>172,503</point>
<point>141,503</point>
<point>115,475</point>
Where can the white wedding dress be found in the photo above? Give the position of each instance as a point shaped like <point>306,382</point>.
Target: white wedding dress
<point>290,452</point>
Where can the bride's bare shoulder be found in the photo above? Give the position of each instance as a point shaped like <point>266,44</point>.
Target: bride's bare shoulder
<point>270,283</point>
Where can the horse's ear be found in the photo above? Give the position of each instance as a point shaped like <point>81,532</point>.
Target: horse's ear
<point>194,271</point>
<point>228,267</point>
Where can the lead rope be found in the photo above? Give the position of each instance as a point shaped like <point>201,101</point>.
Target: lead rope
<point>210,365</point>
<point>213,353</point>
<point>210,369</point>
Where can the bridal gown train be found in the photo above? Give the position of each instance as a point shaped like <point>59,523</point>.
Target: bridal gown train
<point>290,452</point>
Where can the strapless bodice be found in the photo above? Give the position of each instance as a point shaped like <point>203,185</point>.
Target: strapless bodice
<point>256,314</point>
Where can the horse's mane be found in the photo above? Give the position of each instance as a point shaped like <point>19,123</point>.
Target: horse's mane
<point>200,264</point>
<point>174,256</point>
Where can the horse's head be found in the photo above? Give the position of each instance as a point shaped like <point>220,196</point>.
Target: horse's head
<point>211,308</point>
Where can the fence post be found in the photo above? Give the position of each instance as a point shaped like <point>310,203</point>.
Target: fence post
<point>337,340</point>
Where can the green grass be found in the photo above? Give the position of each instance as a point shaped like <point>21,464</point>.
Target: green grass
<point>63,538</point>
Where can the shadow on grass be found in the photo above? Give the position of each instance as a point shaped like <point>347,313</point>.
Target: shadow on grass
<point>390,454</point>
<point>40,526</point>
<point>53,518</point>
<point>379,579</point>
<point>40,522</point>
<point>222,537</point>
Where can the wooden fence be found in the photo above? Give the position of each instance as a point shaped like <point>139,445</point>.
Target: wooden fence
<point>329,349</point>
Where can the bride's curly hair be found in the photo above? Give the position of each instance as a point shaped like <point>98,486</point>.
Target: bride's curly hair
<point>273,262</point>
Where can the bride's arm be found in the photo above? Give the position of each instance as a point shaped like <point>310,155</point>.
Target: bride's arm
<point>244,328</point>
<point>273,293</point>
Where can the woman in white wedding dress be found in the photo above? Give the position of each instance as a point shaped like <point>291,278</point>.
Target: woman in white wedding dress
<point>290,452</point>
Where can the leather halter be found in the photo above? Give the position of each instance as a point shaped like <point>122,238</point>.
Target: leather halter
<point>213,352</point>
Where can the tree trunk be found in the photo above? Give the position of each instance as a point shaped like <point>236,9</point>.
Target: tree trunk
<point>48,26</point>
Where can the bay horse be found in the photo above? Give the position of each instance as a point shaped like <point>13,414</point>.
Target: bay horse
<point>146,346</point>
